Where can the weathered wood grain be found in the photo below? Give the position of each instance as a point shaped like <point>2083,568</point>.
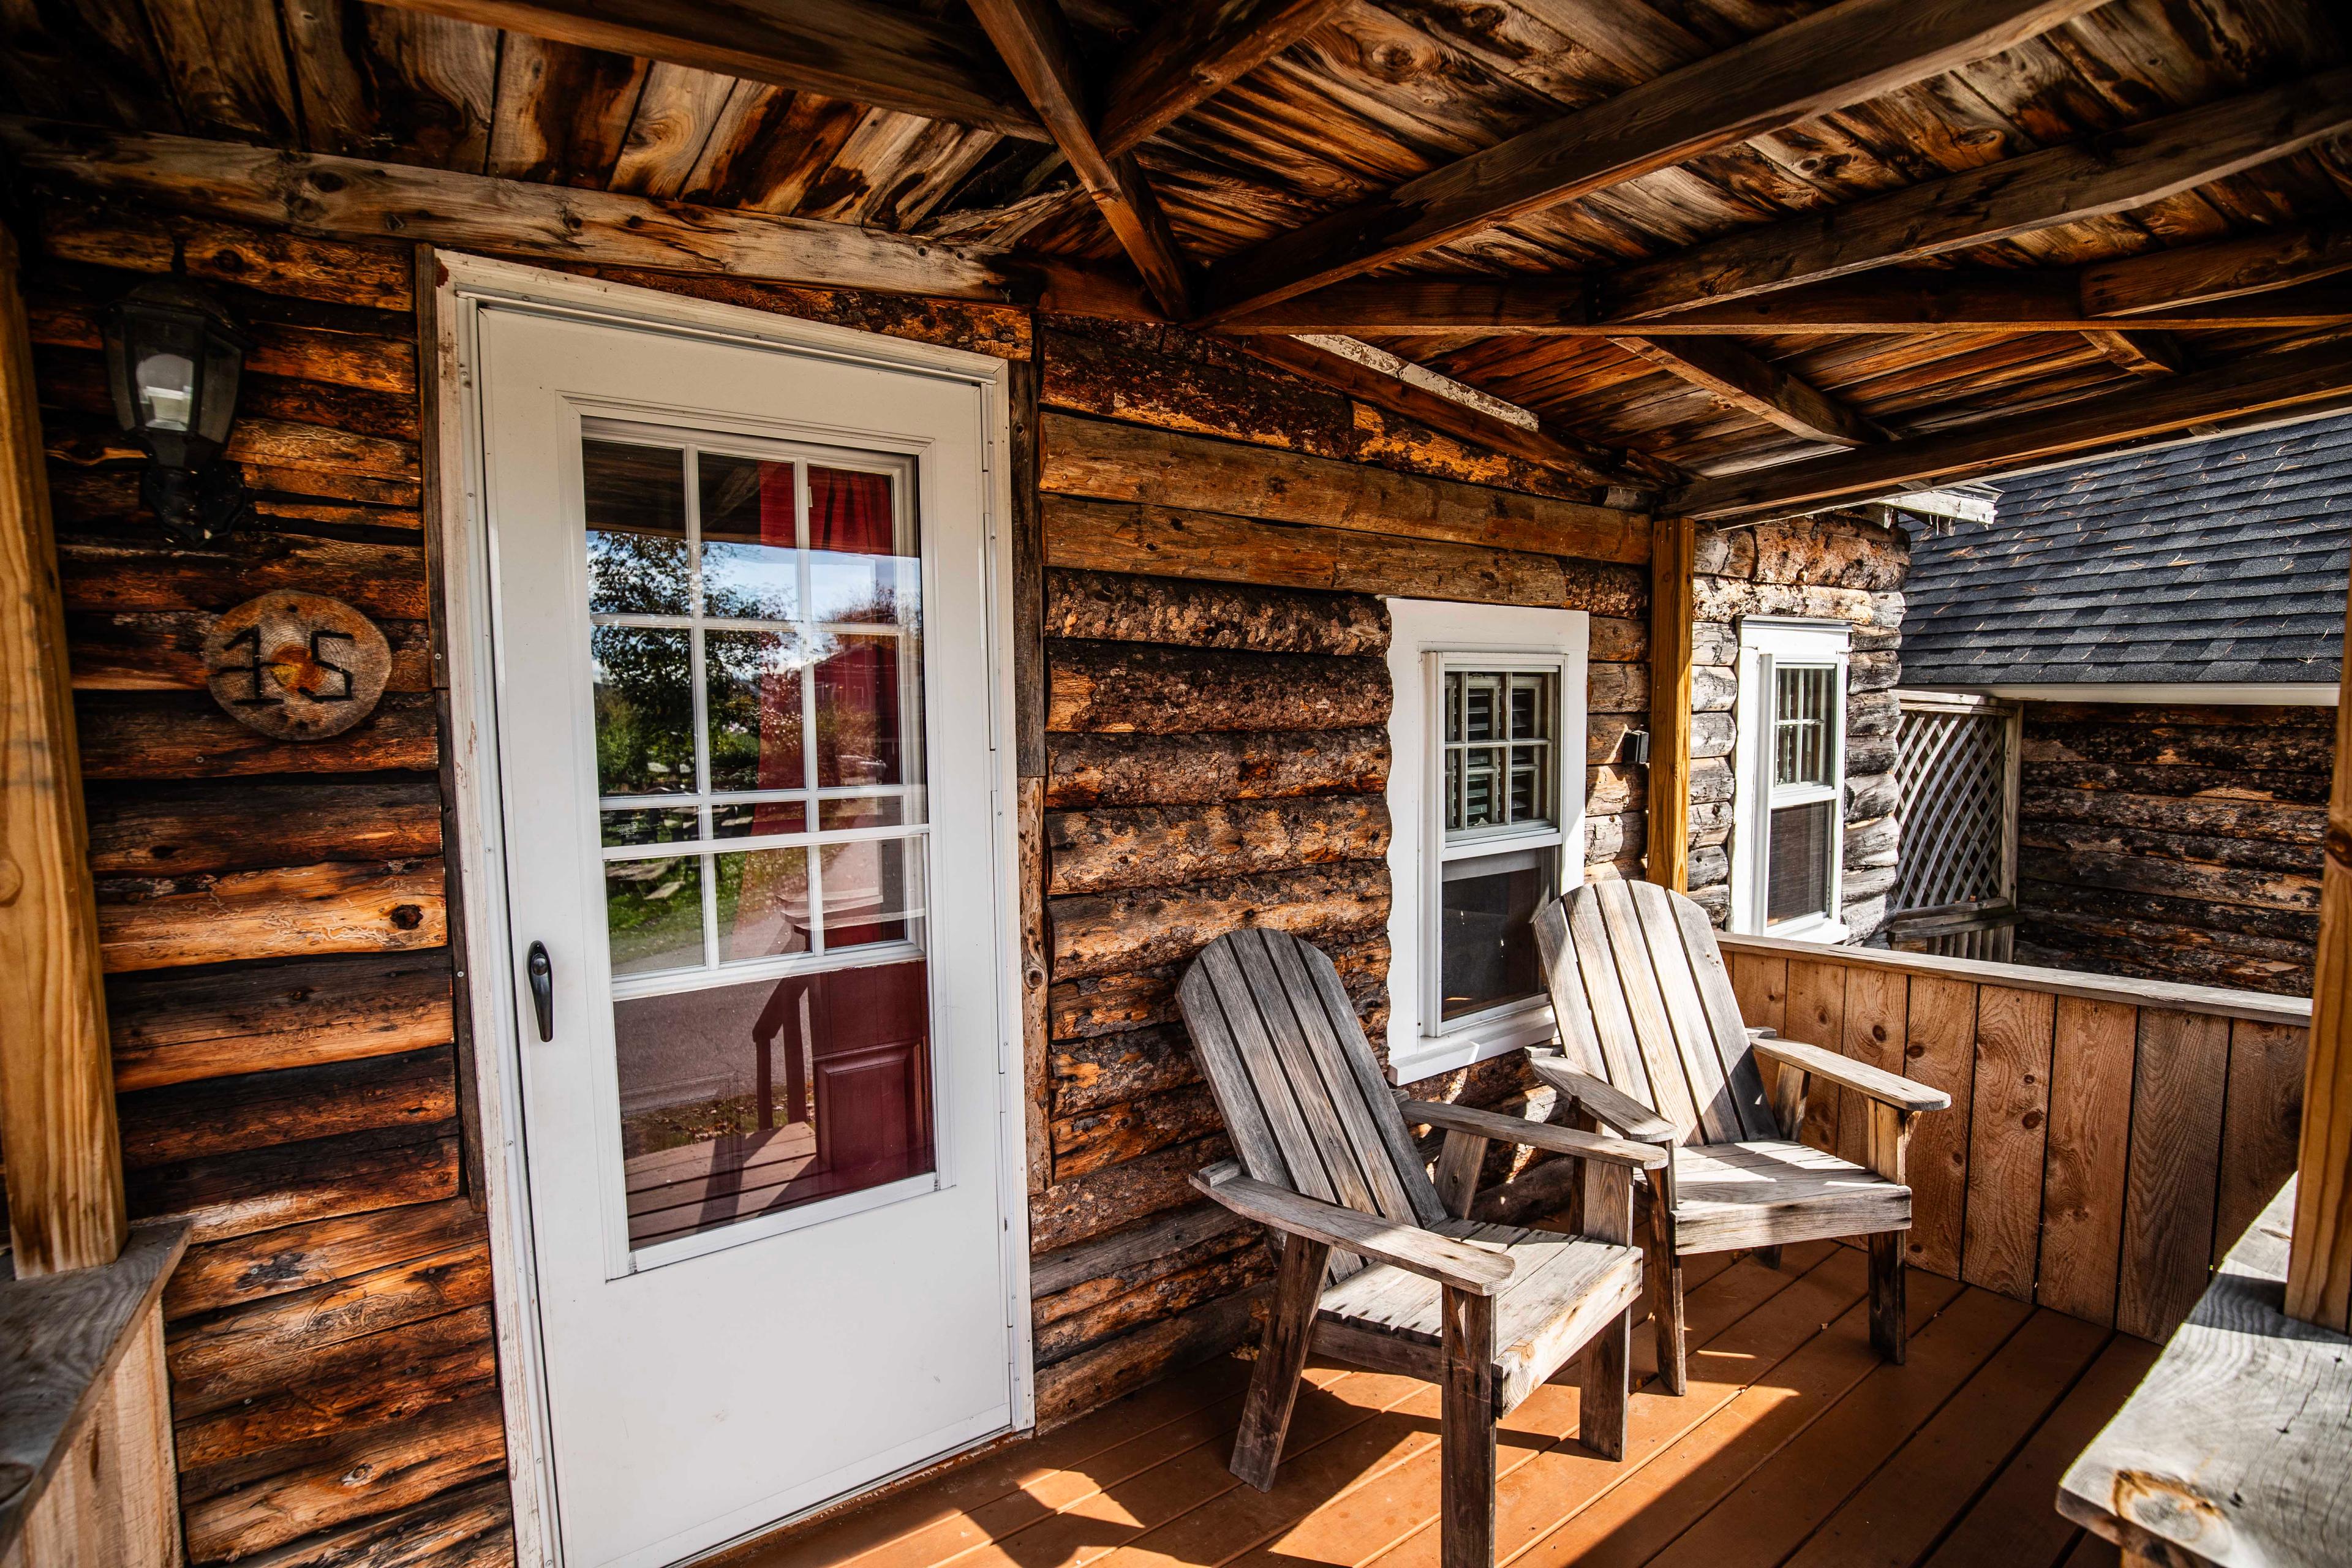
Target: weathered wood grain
<point>1144,846</point>
<point>2007,1130</point>
<point>1940,1048</point>
<point>1123,607</point>
<point>2178,1087</point>
<point>176,1029</point>
<point>1131,770</point>
<point>1110,933</point>
<point>2262,1118</point>
<point>283,912</point>
<point>1132,687</point>
<point>2084,1173</point>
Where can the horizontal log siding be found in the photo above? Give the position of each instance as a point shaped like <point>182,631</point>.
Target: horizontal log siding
<point>1829,568</point>
<point>2107,1142</point>
<point>2176,843</point>
<point>275,918</point>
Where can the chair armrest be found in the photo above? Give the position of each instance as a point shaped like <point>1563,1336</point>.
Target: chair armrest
<point>1480,1271</point>
<point>1534,1135</point>
<point>1611,1106</point>
<point>1887,1088</point>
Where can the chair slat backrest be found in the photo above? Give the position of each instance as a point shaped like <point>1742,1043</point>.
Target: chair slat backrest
<point>1304,1100</point>
<point>1644,1001</point>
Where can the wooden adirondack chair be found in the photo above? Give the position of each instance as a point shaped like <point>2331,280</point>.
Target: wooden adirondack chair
<point>1656,1050</point>
<point>1376,1269</point>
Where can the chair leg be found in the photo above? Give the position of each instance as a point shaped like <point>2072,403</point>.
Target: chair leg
<point>1769,1256</point>
<point>1889,1325</point>
<point>1467,1432</point>
<point>1665,1282</point>
<point>1281,1357</point>
<point>1601,1405</point>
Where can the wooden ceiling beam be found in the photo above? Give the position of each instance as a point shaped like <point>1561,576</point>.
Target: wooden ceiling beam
<point>1033,38</point>
<point>865,53</point>
<point>1580,460</point>
<point>1849,52</point>
<point>2108,174</point>
<point>1748,381</point>
<point>1195,50</point>
<point>2262,388</point>
<point>1972,299</point>
<point>355,198</point>
<point>2141,352</point>
<point>2222,270</point>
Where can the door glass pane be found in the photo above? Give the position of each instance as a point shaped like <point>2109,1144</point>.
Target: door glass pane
<point>740,1100</point>
<point>1801,839</point>
<point>1487,931</point>
<point>636,527</point>
<point>756,642</point>
<point>644,711</point>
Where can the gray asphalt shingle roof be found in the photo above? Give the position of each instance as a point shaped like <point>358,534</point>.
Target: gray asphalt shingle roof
<point>2222,561</point>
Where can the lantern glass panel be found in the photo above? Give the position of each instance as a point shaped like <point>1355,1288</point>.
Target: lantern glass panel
<point>216,408</point>
<point>164,372</point>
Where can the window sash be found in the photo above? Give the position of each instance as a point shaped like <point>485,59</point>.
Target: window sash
<point>1807,738</point>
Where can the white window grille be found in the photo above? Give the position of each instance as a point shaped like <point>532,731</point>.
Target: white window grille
<point>1789,780</point>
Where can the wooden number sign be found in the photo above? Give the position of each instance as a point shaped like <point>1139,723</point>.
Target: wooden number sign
<point>297,666</point>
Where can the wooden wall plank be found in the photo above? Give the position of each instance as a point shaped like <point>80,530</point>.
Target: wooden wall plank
<point>2089,1143</point>
<point>1939,1051</point>
<point>2261,1118</point>
<point>171,922</point>
<point>2007,1130</point>
<point>1761,986</point>
<point>1878,1016</point>
<point>1816,1016</point>
<point>2178,1090</point>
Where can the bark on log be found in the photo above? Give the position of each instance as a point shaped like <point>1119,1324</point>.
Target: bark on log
<point>1074,1277</point>
<point>1072,1210</point>
<point>2172,879</point>
<point>2043,801</point>
<point>142,239</point>
<point>1117,606</point>
<point>164,735</point>
<point>1092,1378</point>
<point>170,921</point>
<point>249,1268</point>
<point>1108,849</point>
<point>1111,933</point>
<point>1617,688</point>
<point>386,581</point>
<point>470,1526</point>
<point>220,1359</point>
<point>1873,713</point>
<point>1616,639</point>
<point>2143,744</point>
<point>2285,786</point>
<point>1165,1297</point>
<point>1105,1071</point>
<point>1120,536</point>
<point>1130,688</point>
<point>1097,1140</point>
<point>231,1512</point>
<point>1724,599</point>
<point>261,1189</point>
<point>1194,770</point>
<point>1873,796</point>
<point>225,1116</point>
<point>391,1378</point>
<point>175,829</point>
<point>104,503</point>
<point>281,348</point>
<point>171,1027</point>
<point>2238,852</point>
<point>1085,1007</point>
<point>1832,553</point>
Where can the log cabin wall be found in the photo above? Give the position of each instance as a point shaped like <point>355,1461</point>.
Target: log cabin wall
<point>2174,843</point>
<point>274,918</point>
<point>1833,567</point>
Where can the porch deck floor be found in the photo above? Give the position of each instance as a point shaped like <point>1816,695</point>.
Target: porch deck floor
<point>1795,1445</point>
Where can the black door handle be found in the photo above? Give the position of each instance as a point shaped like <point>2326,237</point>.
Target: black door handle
<point>542,988</point>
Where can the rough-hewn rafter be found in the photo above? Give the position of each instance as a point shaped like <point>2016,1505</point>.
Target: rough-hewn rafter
<point>1849,52</point>
<point>2121,170</point>
<point>1593,465</point>
<point>1035,40</point>
<point>2141,352</point>
<point>356,198</point>
<point>2261,281</point>
<point>1195,50</point>
<point>844,49</point>
<point>2301,381</point>
<point>1762,388</point>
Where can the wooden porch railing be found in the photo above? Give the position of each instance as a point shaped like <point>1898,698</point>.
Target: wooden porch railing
<point>2108,1139</point>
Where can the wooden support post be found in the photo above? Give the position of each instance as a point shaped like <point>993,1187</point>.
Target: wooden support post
<point>2319,1263</point>
<point>64,1159</point>
<point>1672,552</point>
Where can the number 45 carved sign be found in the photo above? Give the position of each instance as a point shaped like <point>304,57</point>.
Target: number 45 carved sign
<point>297,666</point>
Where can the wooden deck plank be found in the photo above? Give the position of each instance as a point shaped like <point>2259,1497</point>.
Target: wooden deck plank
<point>1783,1500</point>
<point>1649,1509</point>
<point>2012,1524</point>
<point>1927,1485</point>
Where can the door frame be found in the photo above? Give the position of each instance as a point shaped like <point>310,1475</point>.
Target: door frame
<point>458,538</point>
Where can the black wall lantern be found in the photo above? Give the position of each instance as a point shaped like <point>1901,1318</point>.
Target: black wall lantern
<point>172,356</point>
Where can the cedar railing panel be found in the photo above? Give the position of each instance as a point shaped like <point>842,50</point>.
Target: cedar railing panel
<point>2108,1139</point>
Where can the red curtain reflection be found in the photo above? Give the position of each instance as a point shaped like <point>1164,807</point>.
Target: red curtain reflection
<point>850,512</point>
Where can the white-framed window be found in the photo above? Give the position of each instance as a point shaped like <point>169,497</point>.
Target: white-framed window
<point>1486,794</point>
<point>1789,782</point>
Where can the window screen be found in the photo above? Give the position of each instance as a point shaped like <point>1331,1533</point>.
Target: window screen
<point>1798,876</point>
<point>1804,706</point>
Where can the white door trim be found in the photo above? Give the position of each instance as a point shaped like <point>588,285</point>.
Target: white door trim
<point>465,284</point>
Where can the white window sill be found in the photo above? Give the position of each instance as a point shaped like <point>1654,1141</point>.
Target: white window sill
<point>1826,931</point>
<point>1430,1054</point>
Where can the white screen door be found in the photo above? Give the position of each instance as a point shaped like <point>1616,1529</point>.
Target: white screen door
<point>743,697</point>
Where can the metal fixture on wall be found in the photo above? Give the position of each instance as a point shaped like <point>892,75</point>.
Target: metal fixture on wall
<point>172,359</point>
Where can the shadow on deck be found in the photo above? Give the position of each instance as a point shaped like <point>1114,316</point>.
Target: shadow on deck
<point>1795,1445</point>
